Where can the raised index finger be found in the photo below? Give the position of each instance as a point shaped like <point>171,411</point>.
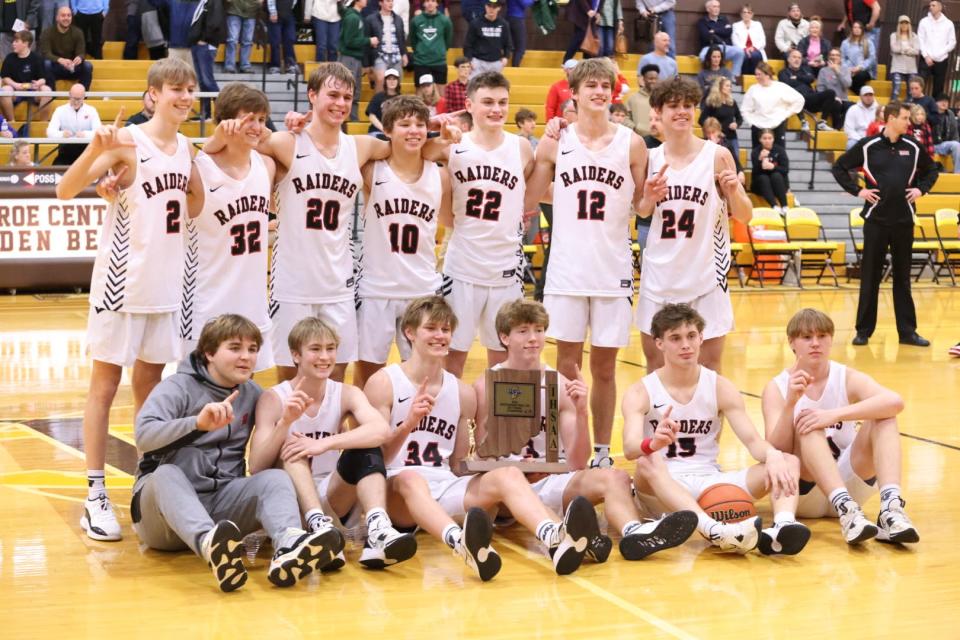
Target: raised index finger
<point>233,396</point>
<point>663,170</point>
<point>119,118</point>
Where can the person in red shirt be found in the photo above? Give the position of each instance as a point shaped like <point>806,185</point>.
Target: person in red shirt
<point>920,129</point>
<point>455,93</point>
<point>559,92</point>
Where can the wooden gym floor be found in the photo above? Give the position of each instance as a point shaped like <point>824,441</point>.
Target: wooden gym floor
<point>53,580</point>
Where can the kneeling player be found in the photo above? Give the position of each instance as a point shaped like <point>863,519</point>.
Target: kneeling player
<point>680,408</point>
<point>429,410</point>
<point>191,488</point>
<point>811,409</point>
<point>300,422</point>
<point>521,326</point>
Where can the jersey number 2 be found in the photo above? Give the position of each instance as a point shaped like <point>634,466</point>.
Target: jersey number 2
<point>483,205</point>
<point>173,216</point>
<point>672,224</point>
<point>431,455</point>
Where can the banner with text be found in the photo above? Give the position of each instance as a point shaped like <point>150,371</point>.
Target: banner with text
<point>49,228</point>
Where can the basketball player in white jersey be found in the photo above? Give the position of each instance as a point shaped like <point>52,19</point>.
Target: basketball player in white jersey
<point>300,422</point>
<point>671,425</point>
<point>229,201</point>
<point>594,167</point>
<point>405,197</point>
<point>812,408</point>
<point>484,259</point>
<point>691,188</point>
<point>521,326</point>
<point>429,410</point>
<point>136,284</point>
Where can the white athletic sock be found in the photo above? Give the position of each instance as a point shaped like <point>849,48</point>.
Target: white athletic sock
<point>313,518</point>
<point>783,517</point>
<point>627,528</point>
<point>96,483</point>
<point>601,451</point>
<point>547,533</point>
<point>451,535</point>
<point>704,524</point>
<point>889,496</point>
<point>377,519</point>
<point>841,500</point>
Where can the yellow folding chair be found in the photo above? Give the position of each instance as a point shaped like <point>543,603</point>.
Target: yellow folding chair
<point>804,228</point>
<point>777,257</point>
<point>948,235</point>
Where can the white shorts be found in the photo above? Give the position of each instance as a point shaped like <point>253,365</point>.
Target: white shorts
<point>550,490</point>
<point>607,318</point>
<point>341,315</point>
<point>476,308</point>
<point>715,308</point>
<point>378,325</point>
<point>354,516</point>
<point>264,357</point>
<point>816,505</point>
<point>696,482</point>
<point>120,338</point>
<point>446,488</point>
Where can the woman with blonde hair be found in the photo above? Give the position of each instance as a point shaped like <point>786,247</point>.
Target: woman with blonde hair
<point>904,48</point>
<point>814,46</point>
<point>719,104</point>
<point>859,56</point>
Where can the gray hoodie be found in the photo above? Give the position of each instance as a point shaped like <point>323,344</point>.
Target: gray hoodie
<point>166,430</point>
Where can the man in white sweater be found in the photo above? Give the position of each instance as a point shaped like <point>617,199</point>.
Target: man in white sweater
<point>859,116</point>
<point>791,30</point>
<point>937,40</point>
<point>75,119</point>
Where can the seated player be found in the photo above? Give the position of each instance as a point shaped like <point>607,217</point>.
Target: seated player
<point>811,409</point>
<point>429,409</point>
<point>300,422</point>
<point>680,408</point>
<point>521,326</point>
<point>192,490</point>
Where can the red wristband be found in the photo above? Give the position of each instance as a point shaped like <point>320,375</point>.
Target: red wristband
<point>645,447</point>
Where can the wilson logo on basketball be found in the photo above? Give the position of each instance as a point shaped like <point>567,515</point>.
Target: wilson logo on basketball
<point>730,515</point>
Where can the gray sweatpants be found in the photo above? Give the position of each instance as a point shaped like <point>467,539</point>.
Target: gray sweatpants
<point>482,66</point>
<point>173,515</point>
<point>356,67</point>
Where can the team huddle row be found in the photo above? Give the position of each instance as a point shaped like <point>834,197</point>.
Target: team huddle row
<point>181,248</point>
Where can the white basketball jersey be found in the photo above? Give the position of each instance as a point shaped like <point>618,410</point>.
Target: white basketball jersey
<point>590,239</point>
<point>536,447</point>
<point>698,442</point>
<point>312,258</point>
<point>839,435</point>
<point>488,191</point>
<point>431,443</point>
<point>225,270</point>
<point>400,235</point>
<point>140,261</point>
<point>688,249</point>
<point>327,422</point>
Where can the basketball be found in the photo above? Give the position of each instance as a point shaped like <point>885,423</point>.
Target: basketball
<point>727,503</point>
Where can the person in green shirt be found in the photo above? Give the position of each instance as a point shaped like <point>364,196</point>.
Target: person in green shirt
<point>354,44</point>
<point>431,34</point>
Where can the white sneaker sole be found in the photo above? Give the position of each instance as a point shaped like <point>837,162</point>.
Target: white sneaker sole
<point>96,533</point>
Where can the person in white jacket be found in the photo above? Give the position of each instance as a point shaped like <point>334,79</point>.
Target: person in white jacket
<point>768,104</point>
<point>748,35</point>
<point>324,18</point>
<point>937,40</point>
<point>791,30</point>
<point>860,115</point>
<point>76,119</point>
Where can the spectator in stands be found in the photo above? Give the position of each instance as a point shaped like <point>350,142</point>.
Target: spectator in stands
<point>713,131</point>
<point>859,56</point>
<point>133,36</point>
<point>465,122</point>
<point>391,87</point>
<point>427,91</point>
<point>527,123</point>
<point>6,131</point>
<point>621,88</point>
<point>859,116</point>
<point>568,111</point>
<point>282,32</point>
<point>771,168</point>
<point>814,47</point>
<point>353,45</point>
<point>76,119</point>
<point>151,30</point>
<point>768,104</point>
<point>835,76</point>
<point>20,154</point>
<point>559,92</point>
<point>653,140</point>
<point>517,19</point>
<point>470,10</point>
<point>915,95</point>
<point>488,43</point>
<point>748,35</point>
<point>791,30</point>
<point>638,104</point>
<point>431,34</point>
<point>619,114</point>
<point>666,17</point>
<point>610,21</point>
<point>417,7</point>
<point>242,20</point>
<point>208,31</point>
<point>867,13</point>
<point>938,38</point>
<point>88,16</point>
<point>455,93</point>
<point>718,103</point>
<point>800,78</point>
<point>879,122</point>
<point>23,70</point>
<point>402,9</point>
<point>145,113</point>
<point>64,50</point>
<point>660,56</point>
<point>390,52</point>
<point>176,16</point>
<point>714,29</point>
<point>579,13</point>
<point>25,11</point>
<point>946,137</point>
<point>713,68</point>
<point>904,47</point>
<point>920,129</point>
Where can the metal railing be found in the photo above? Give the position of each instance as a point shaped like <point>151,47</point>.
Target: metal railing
<point>813,152</point>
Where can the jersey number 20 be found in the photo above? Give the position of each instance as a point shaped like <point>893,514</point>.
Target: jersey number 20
<point>323,215</point>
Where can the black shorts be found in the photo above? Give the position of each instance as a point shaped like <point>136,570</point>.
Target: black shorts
<point>439,74</point>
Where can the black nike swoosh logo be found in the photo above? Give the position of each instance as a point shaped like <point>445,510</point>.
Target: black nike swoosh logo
<point>459,151</point>
<point>212,189</point>
<point>300,157</point>
<point>377,184</point>
<point>657,406</point>
<point>402,400</point>
<point>563,153</point>
<point>145,159</point>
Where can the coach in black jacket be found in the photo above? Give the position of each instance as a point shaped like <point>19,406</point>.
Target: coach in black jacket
<point>897,171</point>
